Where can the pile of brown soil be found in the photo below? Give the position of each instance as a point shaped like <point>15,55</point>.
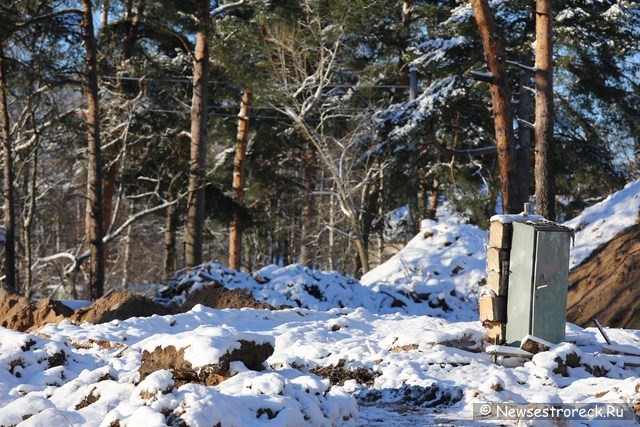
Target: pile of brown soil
<point>118,305</point>
<point>22,314</point>
<point>252,355</point>
<point>217,296</point>
<point>607,285</point>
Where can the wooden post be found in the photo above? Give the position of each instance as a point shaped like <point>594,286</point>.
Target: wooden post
<point>493,309</point>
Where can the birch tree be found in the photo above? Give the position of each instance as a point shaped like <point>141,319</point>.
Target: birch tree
<point>305,59</point>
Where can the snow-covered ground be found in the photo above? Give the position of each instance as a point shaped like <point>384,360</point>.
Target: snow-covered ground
<point>403,342</point>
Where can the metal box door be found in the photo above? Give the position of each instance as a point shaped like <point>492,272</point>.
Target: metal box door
<point>538,282</point>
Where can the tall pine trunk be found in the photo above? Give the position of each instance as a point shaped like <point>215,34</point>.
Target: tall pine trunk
<point>94,212</point>
<point>235,230</point>
<point>545,192</point>
<point>512,199</point>
<point>9,198</point>
<point>199,117</point>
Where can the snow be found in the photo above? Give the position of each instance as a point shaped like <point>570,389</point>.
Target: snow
<point>410,326</point>
<point>409,116</point>
<point>601,222</point>
<point>523,217</point>
<point>203,345</point>
<point>437,50</point>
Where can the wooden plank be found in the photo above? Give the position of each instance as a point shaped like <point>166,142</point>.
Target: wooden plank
<point>500,235</point>
<point>493,308</point>
<point>496,332</point>
<point>498,283</point>
<point>503,350</point>
<point>498,260</point>
<point>621,349</point>
<point>534,344</point>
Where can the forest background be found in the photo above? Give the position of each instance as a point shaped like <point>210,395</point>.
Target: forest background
<point>143,137</point>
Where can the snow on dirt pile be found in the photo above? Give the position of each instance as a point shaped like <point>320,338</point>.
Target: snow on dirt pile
<point>601,222</point>
<point>342,367</point>
<point>345,353</point>
<point>609,235</point>
<point>437,274</point>
<point>92,375</point>
<point>441,267</point>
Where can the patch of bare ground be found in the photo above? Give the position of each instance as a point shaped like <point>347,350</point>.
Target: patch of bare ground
<point>338,374</point>
<point>607,285</point>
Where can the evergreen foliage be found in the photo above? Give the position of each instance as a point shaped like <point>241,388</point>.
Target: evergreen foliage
<point>362,148</point>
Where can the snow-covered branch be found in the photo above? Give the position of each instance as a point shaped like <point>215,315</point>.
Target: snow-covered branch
<point>526,123</point>
<point>227,7</point>
<point>77,260</point>
<point>482,76</point>
<point>522,66</point>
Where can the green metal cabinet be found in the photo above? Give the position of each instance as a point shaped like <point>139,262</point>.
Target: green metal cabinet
<point>538,282</point>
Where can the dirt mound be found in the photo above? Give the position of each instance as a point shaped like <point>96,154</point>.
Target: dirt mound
<point>607,285</point>
<point>217,296</point>
<point>22,314</point>
<point>118,305</point>
<point>251,354</point>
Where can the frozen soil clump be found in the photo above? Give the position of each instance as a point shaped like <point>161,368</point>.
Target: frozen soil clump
<point>118,306</point>
<point>219,297</point>
<point>22,314</point>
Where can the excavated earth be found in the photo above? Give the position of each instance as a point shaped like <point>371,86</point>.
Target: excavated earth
<point>606,286</point>
<point>23,314</point>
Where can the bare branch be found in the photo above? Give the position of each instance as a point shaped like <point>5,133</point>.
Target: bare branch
<point>456,152</point>
<point>482,76</point>
<point>49,16</point>
<point>522,66</point>
<point>526,123</point>
<point>77,260</point>
<point>28,144</point>
<point>136,217</point>
<point>227,7</point>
